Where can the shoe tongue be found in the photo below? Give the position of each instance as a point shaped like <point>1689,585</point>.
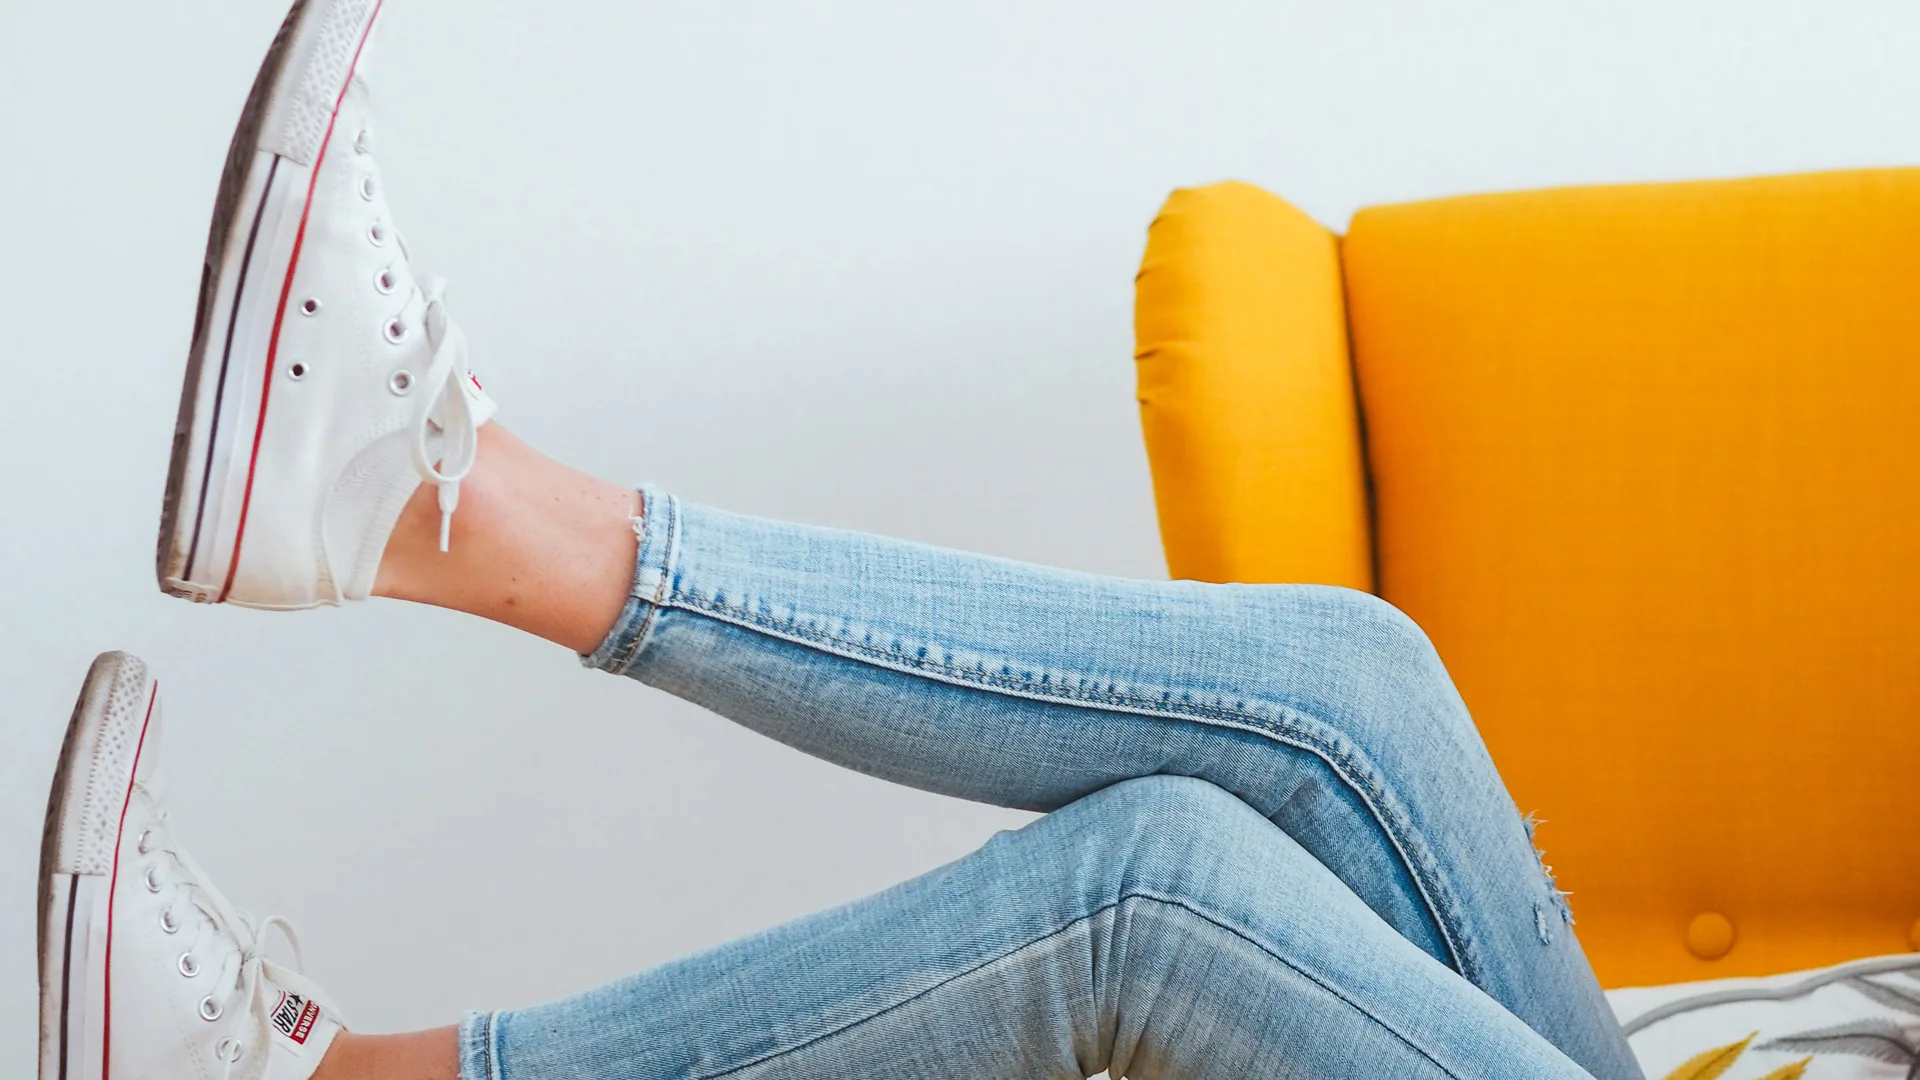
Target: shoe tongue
<point>297,1024</point>
<point>483,405</point>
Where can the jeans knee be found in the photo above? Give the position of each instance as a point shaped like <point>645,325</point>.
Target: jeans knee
<point>1164,829</point>
<point>1170,803</point>
<point>1378,648</point>
<point>1378,629</point>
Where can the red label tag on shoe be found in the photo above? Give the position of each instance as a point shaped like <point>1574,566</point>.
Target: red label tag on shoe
<point>294,1017</point>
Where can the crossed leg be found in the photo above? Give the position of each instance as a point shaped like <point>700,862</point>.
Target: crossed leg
<point>1275,791</point>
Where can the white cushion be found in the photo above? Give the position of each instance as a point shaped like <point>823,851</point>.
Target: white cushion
<point>1855,1021</point>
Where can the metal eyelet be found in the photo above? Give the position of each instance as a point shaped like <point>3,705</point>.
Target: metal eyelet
<point>296,371</point>
<point>153,879</point>
<point>368,187</point>
<point>377,234</point>
<point>168,924</point>
<point>229,1050</point>
<point>310,306</point>
<point>385,280</point>
<point>210,1009</point>
<point>145,835</point>
<point>400,382</point>
<point>363,142</point>
<point>188,966</point>
<point>395,330</point>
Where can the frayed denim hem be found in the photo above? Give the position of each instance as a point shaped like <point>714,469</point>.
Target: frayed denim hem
<point>658,529</point>
<point>476,1047</point>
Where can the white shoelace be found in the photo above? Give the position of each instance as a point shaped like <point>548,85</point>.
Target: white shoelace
<point>245,965</point>
<point>445,382</point>
<point>250,966</point>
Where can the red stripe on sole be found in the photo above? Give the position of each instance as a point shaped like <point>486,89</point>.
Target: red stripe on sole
<point>280,313</point>
<point>113,884</point>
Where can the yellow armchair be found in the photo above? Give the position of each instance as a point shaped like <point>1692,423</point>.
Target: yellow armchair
<point>1644,461</point>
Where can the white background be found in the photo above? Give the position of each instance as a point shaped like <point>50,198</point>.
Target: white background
<point>866,264</point>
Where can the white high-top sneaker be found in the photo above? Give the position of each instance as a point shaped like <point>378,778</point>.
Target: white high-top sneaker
<point>146,972</point>
<point>325,382</point>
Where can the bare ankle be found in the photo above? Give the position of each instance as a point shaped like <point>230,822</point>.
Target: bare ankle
<point>416,1055</point>
<point>535,545</point>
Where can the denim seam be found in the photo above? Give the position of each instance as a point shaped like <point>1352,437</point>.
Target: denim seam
<point>493,1046</point>
<point>1439,900</point>
<point>496,1061</point>
<point>1124,899</point>
<point>669,544</point>
<point>478,1046</point>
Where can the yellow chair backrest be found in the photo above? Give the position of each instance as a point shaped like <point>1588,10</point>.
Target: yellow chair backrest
<point>1644,461</point>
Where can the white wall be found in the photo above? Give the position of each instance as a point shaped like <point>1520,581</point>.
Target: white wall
<point>862,263</point>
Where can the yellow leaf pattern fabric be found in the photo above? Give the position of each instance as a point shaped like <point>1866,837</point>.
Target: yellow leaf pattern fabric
<point>1709,1064</point>
<point>1819,1023</point>
<point>1794,1071</point>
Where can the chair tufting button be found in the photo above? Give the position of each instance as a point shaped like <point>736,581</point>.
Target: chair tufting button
<point>1710,935</point>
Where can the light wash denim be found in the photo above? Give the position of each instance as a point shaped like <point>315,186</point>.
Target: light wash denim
<point>1275,845</point>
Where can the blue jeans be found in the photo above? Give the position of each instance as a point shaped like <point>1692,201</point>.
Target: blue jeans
<point>1275,845</point>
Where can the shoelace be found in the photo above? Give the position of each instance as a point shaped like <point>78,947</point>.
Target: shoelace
<point>244,967</point>
<point>250,967</point>
<point>446,380</point>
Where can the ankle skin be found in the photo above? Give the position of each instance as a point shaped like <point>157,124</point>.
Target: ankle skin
<point>416,1055</point>
<point>535,545</point>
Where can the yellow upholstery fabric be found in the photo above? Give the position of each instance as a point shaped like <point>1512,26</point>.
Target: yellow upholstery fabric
<point>1239,307</point>
<point>1644,463</point>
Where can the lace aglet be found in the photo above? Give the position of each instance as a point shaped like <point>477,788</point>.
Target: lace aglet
<point>449,498</point>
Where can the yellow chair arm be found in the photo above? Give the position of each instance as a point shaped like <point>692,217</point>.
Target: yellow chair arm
<point>1246,393</point>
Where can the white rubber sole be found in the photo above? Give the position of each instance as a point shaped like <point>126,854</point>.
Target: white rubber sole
<point>105,743</point>
<point>253,249</point>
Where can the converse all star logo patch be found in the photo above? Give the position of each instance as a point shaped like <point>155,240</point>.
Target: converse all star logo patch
<point>293,1016</point>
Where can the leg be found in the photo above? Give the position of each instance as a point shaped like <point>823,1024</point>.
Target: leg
<point>1323,709</point>
<point>969,675</point>
<point>1102,937</point>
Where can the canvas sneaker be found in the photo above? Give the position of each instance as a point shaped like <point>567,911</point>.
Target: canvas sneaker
<point>325,381</point>
<point>146,971</point>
